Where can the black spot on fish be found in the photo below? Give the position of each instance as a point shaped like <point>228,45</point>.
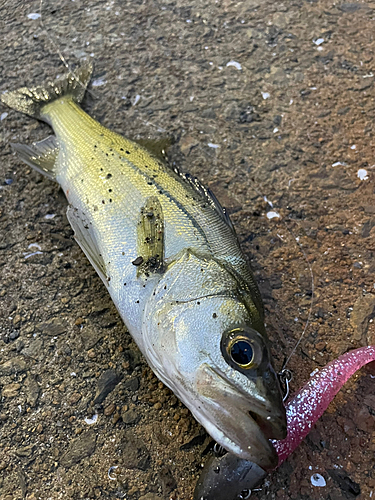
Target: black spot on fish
<point>103,202</point>
<point>127,152</point>
<point>109,176</point>
<point>109,190</point>
<point>138,261</point>
<point>110,200</point>
<point>124,284</point>
<point>214,315</point>
<point>198,303</point>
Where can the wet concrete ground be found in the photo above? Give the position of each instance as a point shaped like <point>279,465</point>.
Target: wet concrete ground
<point>263,98</point>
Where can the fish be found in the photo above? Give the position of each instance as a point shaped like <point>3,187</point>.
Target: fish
<point>228,477</point>
<point>169,257</point>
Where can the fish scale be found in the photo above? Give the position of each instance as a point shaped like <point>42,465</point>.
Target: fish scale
<point>169,257</point>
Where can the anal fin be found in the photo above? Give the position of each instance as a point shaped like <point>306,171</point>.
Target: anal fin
<point>86,239</point>
<point>150,236</point>
<point>40,155</point>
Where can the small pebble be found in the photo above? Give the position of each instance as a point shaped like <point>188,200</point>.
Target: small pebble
<point>14,335</point>
<point>109,409</point>
<point>74,398</point>
<point>10,390</point>
<point>116,418</point>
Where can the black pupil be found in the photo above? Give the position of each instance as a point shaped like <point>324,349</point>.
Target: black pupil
<point>241,352</point>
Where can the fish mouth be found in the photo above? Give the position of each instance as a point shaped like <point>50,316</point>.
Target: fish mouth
<point>240,423</point>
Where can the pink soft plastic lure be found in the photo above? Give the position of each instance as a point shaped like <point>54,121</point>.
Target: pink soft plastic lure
<point>306,406</point>
<point>228,477</point>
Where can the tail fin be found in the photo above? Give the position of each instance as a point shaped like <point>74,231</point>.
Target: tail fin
<point>31,100</point>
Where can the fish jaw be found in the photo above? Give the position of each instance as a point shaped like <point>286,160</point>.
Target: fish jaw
<point>239,423</point>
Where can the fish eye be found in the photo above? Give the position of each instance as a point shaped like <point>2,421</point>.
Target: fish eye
<point>241,352</point>
<point>243,348</point>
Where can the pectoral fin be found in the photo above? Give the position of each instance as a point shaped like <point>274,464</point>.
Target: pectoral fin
<point>150,233</point>
<point>86,239</point>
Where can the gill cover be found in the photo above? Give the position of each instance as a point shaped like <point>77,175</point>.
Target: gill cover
<point>202,336</point>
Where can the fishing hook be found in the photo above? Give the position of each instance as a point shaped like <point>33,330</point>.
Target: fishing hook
<point>285,377</point>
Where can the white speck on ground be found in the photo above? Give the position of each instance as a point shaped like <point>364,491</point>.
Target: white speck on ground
<point>98,82</point>
<point>110,470</point>
<point>272,215</point>
<point>266,95</point>
<point>3,116</point>
<point>28,255</point>
<point>235,64</point>
<point>92,420</point>
<point>318,41</point>
<point>33,16</point>
<point>212,145</point>
<point>34,245</point>
<point>318,480</point>
<point>362,174</point>
<point>268,201</point>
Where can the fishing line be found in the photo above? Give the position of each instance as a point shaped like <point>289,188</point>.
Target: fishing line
<point>296,239</point>
<point>60,54</point>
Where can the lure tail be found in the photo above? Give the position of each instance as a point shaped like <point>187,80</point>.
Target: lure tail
<point>31,101</point>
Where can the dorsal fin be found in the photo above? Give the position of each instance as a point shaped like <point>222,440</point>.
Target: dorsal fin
<point>207,194</point>
<point>158,149</point>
